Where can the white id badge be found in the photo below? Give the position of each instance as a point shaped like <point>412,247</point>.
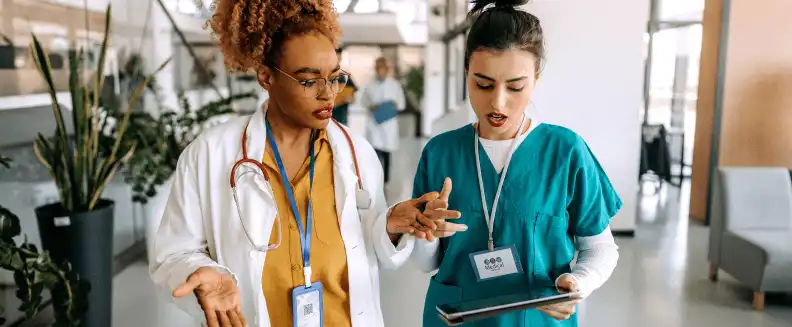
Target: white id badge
<point>307,306</point>
<point>503,261</point>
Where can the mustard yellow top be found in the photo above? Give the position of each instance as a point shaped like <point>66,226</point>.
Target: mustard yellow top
<point>283,269</point>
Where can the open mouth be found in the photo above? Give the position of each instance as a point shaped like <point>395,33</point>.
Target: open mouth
<point>497,119</point>
<point>324,113</point>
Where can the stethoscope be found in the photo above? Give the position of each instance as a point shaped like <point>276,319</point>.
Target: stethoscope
<point>362,197</point>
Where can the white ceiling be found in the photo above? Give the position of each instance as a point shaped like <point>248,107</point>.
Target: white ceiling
<point>374,28</point>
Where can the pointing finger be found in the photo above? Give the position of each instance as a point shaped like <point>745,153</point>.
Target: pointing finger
<point>451,227</point>
<point>446,192</point>
<point>444,214</point>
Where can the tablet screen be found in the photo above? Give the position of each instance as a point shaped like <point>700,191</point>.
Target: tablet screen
<point>458,309</point>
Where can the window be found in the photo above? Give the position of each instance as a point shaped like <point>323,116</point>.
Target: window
<point>681,9</point>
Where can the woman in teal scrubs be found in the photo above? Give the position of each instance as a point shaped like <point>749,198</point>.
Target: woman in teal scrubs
<point>547,192</point>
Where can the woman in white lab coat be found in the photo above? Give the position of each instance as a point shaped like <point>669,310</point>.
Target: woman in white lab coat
<point>254,236</point>
<point>384,136</point>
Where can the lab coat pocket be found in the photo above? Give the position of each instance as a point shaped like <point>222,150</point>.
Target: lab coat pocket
<point>551,248</point>
<point>439,294</point>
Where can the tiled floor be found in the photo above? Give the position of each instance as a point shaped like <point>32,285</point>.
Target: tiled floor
<point>661,279</point>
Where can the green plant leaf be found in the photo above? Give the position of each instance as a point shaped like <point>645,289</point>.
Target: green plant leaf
<point>48,279</point>
<point>41,58</point>
<point>9,224</point>
<point>102,56</point>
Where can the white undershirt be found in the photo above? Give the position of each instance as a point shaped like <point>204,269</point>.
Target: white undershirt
<point>498,150</point>
<point>597,255</point>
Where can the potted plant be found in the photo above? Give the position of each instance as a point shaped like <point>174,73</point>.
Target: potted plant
<point>414,82</point>
<point>159,143</point>
<point>414,91</point>
<point>79,228</point>
<point>35,271</point>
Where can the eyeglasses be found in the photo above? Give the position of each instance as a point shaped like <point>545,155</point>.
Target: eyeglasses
<point>314,86</point>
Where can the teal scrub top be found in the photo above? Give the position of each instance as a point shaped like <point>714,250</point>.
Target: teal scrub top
<point>555,189</point>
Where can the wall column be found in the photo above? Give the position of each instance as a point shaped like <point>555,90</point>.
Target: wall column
<point>743,114</point>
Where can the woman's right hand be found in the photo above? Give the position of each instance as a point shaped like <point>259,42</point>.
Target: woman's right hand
<point>439,205</point>
<point>218,296</point>
<point>563,311</point>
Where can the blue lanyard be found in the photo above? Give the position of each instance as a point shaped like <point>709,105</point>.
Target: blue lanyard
<point>305,233</point>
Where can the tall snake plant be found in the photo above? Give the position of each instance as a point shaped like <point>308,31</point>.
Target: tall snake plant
<point>79,166</point>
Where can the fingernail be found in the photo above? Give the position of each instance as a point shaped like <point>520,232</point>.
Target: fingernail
<point>464,228</point>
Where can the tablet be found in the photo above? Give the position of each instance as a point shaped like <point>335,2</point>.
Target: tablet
<point>455,313</point>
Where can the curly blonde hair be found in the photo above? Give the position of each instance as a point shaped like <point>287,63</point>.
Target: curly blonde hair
<point>251,32</point>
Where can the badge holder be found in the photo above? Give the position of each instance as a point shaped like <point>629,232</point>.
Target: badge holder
<point>307,306</point>
<point>308,303</point>
<point>499,262</point>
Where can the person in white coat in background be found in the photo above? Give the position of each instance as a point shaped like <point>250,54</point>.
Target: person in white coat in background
<point>383,136</point>
<point>254,236</point>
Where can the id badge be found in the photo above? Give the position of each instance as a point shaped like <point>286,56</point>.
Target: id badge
<point>503,261</point>
<point>307,306</point>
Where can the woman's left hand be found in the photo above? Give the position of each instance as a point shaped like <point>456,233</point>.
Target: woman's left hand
<point>408,218</point>
<point>562,311</point>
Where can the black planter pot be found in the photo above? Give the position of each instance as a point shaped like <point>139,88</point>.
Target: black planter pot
<point>85,240</point>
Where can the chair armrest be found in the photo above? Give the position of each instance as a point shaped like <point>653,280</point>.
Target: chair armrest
<point>743,259</point>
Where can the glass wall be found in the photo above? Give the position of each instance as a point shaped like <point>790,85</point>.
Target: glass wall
<point>57,26</point>
<point>673,56</point>
<point>691,10</point>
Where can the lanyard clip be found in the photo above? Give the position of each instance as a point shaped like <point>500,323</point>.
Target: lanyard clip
<point>491,244</point>
<point>307,272</point>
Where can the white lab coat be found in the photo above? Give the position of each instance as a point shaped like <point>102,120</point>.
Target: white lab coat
<point>201,226</point>
<point>385,136</point>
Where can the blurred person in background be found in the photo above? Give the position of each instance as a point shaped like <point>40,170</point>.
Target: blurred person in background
<point>532,195</point>
<point>345,97</point>
<point>384,134</point>
<point>293,237</point>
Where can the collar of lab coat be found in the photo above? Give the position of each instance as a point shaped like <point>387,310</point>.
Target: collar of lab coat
<point>343,164</point>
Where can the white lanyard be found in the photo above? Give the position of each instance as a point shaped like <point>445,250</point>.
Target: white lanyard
<point>491,219</point>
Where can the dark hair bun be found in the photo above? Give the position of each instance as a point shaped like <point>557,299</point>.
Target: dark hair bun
<point>480,5</point>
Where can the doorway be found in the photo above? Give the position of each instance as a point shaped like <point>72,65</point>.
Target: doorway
<point>672,93</point>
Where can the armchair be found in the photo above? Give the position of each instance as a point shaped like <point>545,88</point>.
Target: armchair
<point>751,228</point>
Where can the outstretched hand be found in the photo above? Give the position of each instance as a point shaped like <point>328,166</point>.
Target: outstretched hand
<point>218,296</point>
<point>411,217</point>
<point>437,209</point>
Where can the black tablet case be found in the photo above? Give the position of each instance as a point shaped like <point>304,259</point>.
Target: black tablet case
<point>493,313</point>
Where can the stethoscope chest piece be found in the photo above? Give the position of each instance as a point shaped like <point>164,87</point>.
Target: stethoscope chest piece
<point>363,199</point>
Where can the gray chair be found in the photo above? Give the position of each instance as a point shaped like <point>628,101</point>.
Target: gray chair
<point>751,228</point>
